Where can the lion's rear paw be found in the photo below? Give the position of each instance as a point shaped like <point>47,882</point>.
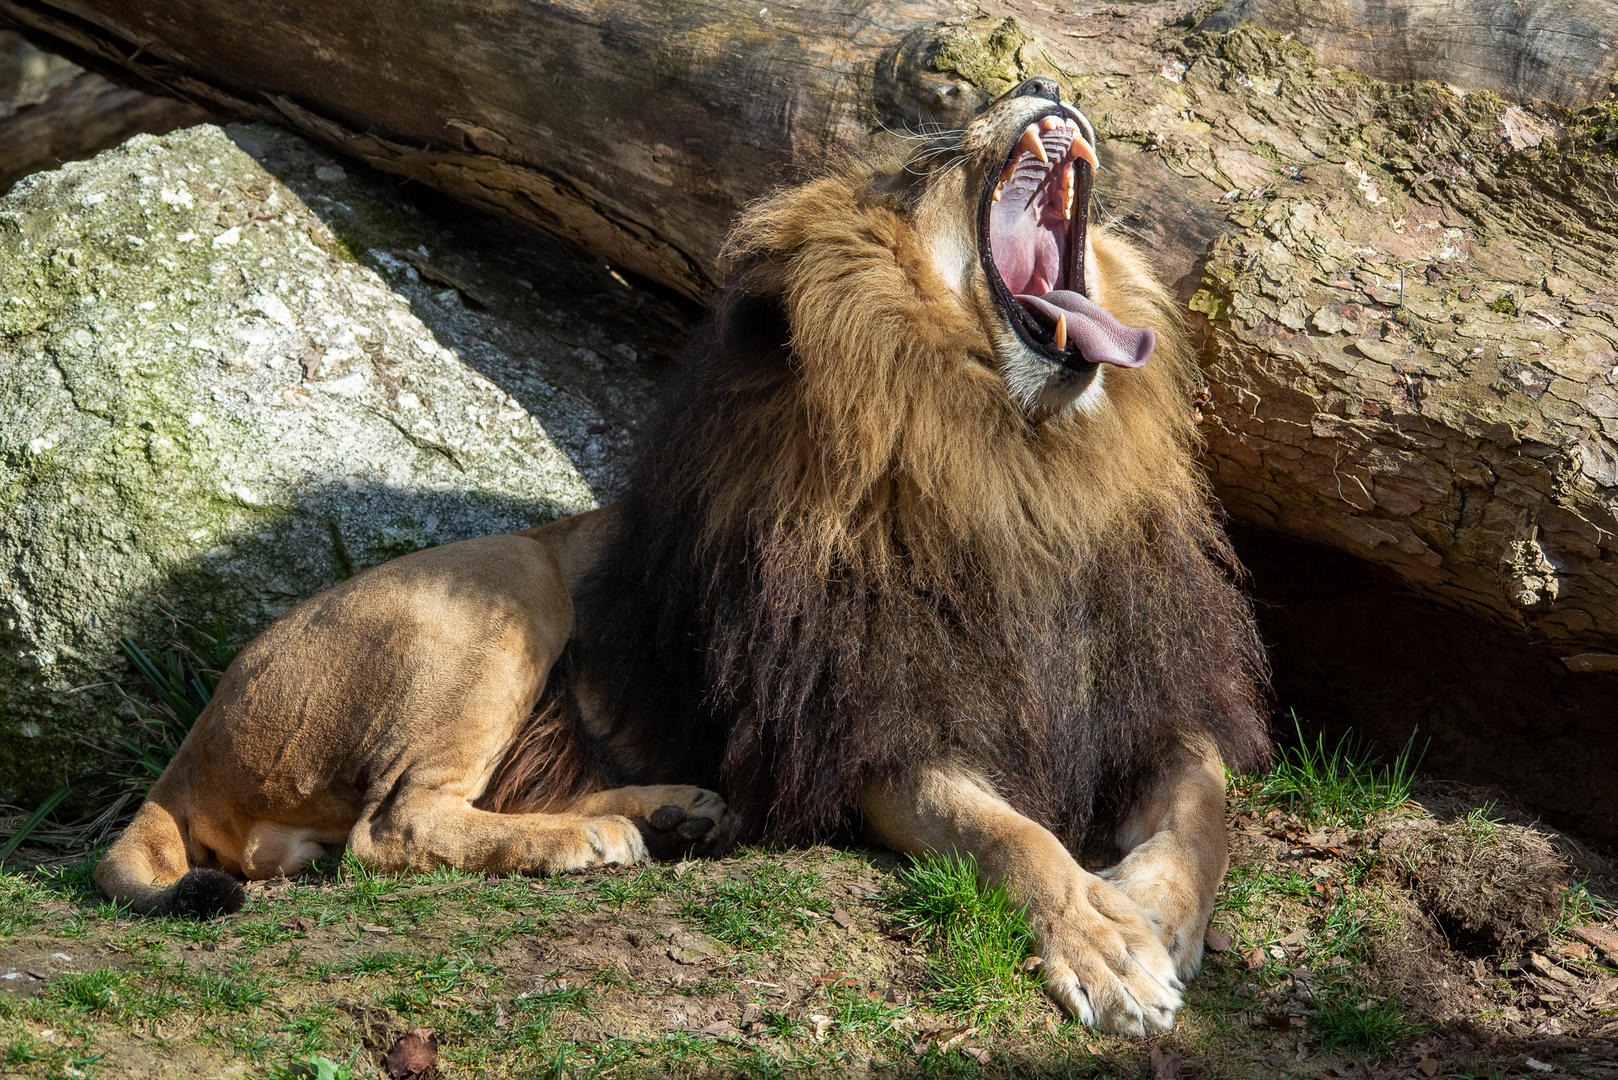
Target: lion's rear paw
<point>702,826</point>
<point>1104,964</point>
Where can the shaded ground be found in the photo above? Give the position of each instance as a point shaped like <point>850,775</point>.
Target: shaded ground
<point>1343,952</point>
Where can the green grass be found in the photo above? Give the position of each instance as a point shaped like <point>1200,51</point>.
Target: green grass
<point>755,910</point>
<point>978,935</point>
<point>97,991</point>
<point>1345,785</point>
<point>1351,1018</point>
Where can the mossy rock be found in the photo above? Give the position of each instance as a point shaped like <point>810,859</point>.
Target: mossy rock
<point>211,404</point>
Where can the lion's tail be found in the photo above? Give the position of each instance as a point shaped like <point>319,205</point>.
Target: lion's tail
<point>149,870</point>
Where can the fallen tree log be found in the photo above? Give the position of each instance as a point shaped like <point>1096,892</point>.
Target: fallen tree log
<point>1404,289</point>
<point>52,111</point>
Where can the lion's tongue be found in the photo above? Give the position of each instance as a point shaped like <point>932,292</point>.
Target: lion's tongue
<point>1100,337</point>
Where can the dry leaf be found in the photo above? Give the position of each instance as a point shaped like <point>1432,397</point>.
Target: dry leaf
<point>1255,958</point>
<point>412,1054</point>
<point>822,1025</point>
<point>977,1054</point>
<point>1217,940</point>
<point>373,928</point>
<point>1428,1066</point>
<point>841,918</point>
<point>1166,1064</point>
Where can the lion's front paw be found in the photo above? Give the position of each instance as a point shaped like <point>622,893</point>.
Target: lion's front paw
<point>599,841</point>
<point>692,821</point>
<point>1103,961</point>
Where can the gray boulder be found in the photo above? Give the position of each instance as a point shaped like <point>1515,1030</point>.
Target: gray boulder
<point>233,372</point>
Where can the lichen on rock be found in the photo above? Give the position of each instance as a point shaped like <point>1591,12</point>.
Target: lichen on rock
<point>210,405</point>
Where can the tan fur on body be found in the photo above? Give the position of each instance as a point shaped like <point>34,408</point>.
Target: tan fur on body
<point>374,715</point>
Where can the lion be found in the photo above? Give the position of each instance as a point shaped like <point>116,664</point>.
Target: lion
<point>916,546</point>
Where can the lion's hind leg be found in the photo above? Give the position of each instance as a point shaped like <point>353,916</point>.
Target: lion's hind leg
<point>1177,852</point>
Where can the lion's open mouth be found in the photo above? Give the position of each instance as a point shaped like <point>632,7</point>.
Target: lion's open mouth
<point>1035,212</point>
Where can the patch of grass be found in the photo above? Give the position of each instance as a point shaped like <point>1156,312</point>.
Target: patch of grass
<point>1480,824</point>
<point>754,910</point>
<point>1581,907</point>
<point>1341,786</point>
<point>1247,890</point>
<point>1351,1018</point>
<point>979,935</point>
<point>232,990</point>
<point>20,898</point>
<point>96,991</point>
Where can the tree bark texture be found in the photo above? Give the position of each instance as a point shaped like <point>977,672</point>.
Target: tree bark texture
<point>1405,290</point>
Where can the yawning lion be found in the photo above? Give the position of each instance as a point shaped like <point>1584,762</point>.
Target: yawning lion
<point>916,545</point>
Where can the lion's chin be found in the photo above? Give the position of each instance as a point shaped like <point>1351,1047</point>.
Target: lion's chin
<point>1044,390</point>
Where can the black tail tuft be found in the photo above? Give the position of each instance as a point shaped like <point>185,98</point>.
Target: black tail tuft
<point>204,893</point>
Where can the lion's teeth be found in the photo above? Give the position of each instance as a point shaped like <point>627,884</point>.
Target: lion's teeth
<point>1030,144</point>
<point>1080,149</point>
<point>1047,123</point>
<point>1005,174</point>
<point>999,190</point>
<point>1061,331</point>
<point>1067,192</point>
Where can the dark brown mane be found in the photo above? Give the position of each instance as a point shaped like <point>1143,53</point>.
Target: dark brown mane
<point>846,549</point>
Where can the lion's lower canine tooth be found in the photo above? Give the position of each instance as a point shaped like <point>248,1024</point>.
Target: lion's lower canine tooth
<point>1029,143</point>
<point>1061,331</point>
<point>999,190</point>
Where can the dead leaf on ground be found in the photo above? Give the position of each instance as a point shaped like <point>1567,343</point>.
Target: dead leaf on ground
<point>1217,940</point>
<point>841,918</point>
<point>1428,1066</point>
<point>977,1054</point>
<point>414,1053</point>
<point>1166,1064</point>
<point>1255,957</point>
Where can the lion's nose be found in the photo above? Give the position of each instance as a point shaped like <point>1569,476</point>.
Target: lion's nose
<point>1039,86</point>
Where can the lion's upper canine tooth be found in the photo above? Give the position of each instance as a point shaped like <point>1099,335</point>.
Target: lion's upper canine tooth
<point>1061,331</point>
<point>1030,144</point>
<point>1046,123</point>
<point>1080,149</point>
